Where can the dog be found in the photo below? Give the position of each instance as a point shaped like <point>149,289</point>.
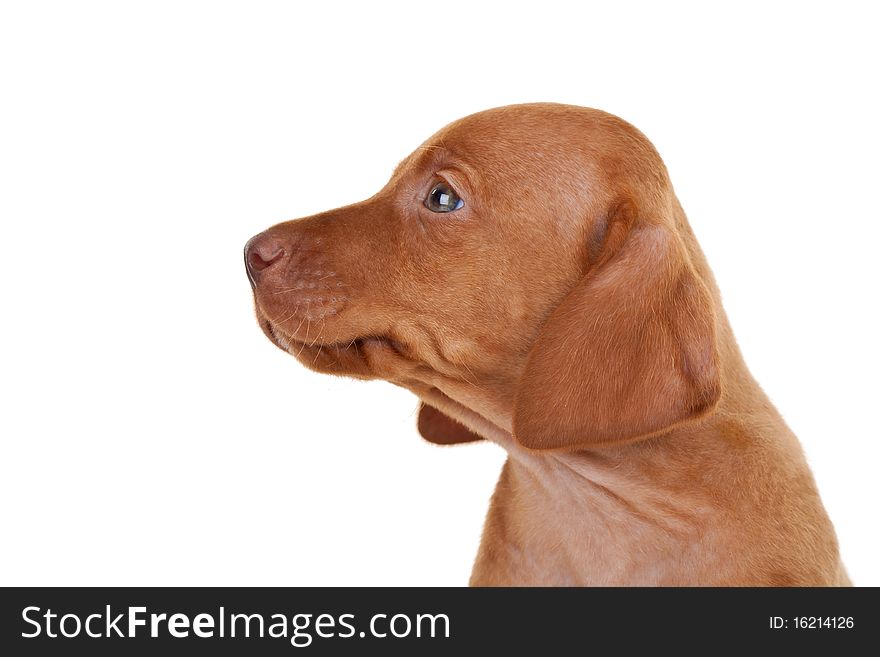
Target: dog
<point>530,275</point>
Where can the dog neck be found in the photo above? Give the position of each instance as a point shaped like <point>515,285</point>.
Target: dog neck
<point>661,511</point>
<point>621,515</point>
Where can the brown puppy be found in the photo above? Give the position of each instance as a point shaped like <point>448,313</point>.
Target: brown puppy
<point>529,273</point>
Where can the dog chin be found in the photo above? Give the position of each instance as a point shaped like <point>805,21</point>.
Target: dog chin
<point>341,358</point>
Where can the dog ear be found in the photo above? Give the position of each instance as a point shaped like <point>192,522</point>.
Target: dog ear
<point>440,429</point>
<point>629,353</point>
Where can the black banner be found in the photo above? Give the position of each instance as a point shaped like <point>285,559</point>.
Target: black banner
<point>408,621</point>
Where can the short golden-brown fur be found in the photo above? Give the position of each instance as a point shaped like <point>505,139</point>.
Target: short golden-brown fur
<point>567,313</point>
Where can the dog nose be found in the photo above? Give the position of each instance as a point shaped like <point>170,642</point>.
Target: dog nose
<point>262,252</point>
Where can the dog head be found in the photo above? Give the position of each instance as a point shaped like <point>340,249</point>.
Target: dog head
<point>533,255</point>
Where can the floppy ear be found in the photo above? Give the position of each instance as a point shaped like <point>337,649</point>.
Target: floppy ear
<point>629,353</point>
<point>440,429</point>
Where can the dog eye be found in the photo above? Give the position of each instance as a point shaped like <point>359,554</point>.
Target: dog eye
<point>442,198</point>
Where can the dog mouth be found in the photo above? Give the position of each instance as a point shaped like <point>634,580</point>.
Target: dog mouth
<point>294,346</point>
<point>339,357</point>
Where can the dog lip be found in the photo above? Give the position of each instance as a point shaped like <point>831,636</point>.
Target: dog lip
<point>293,346</point>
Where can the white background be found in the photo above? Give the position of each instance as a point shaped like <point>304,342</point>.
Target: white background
<point>152,435</point>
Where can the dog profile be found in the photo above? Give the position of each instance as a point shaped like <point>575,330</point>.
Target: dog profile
<point>530,275</point>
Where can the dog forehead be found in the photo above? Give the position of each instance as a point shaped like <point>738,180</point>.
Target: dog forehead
<point>518,131</point>
<point>545,140</point>
<point>550,124</point>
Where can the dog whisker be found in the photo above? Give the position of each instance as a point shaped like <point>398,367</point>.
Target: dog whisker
<point>290,316</point>
<point>308,328</point>
<point>318,334</point>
